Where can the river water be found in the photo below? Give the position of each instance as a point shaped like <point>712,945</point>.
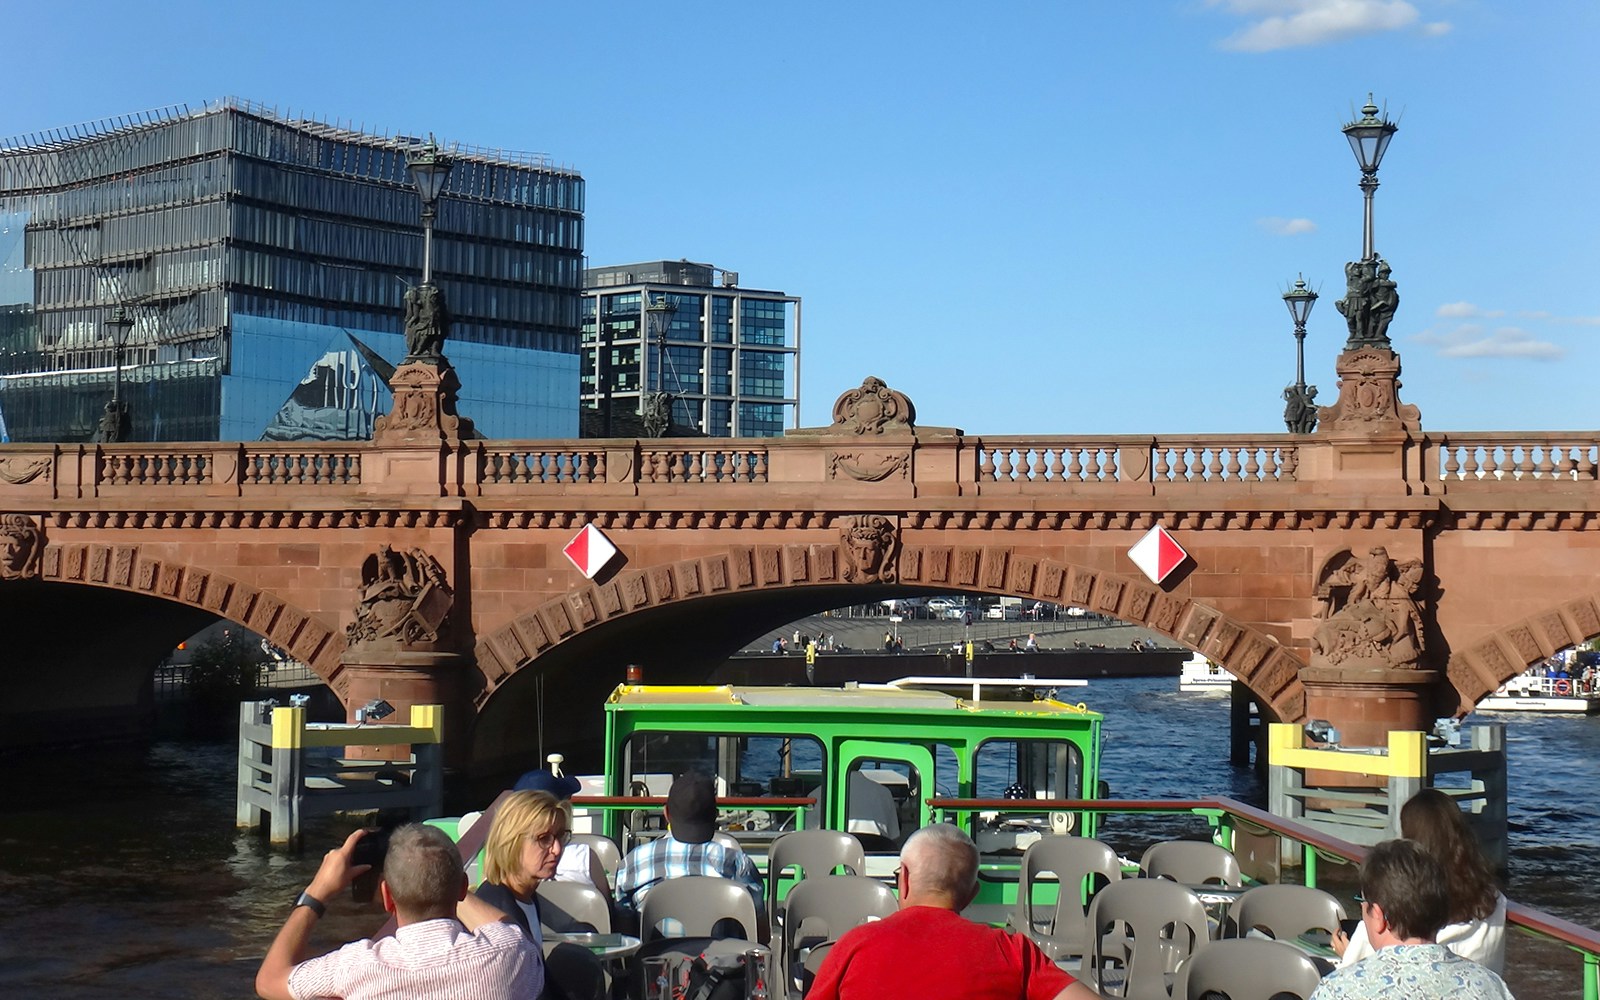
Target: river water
<point>121,874</point>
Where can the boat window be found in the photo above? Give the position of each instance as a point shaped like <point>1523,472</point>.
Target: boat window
<point>761,766</point>
<point>1029,769</point>
<point>1024,769</point>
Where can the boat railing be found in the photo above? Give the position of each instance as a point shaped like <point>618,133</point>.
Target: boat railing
<point>624,804</point>
<point>1229,818</point>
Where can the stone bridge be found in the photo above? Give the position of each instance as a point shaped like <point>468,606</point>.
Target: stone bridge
<point>1369,573</point>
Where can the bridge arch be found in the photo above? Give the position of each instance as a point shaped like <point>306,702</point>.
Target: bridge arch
<point>1507,651</point>
<point>123,567</point>
<point>1265,666</point>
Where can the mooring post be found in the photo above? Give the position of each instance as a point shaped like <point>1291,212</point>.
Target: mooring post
<point>288,777</point>
<point>246,812</point>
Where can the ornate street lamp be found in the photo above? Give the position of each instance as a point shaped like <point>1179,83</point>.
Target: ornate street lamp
<point>1369,137</point>
<point>655,408</point>
<point>115,423</point>
<point>429,169</point>
<point>1300,415</point>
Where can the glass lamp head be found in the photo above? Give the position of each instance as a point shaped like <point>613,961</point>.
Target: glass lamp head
<point>120,323</point>
<point>1300,299</point>
<point>1369,137</point>
<point>429,169</point>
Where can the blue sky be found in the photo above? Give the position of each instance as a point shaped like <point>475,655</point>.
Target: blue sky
<point>1045,218</point>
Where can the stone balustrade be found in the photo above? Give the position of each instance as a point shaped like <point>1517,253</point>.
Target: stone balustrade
<point>1450,462</point>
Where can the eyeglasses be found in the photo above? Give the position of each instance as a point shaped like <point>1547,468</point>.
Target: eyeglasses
<point>547,840</point>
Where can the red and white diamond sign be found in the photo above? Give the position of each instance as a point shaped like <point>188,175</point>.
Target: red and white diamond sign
<point>1157,554</point>
<point>590,550</point>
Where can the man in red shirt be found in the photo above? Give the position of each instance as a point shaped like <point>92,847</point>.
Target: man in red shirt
<point>929,951</point>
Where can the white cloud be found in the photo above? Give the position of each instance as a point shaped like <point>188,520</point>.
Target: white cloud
<point>1286,227</point>
<point>1470,340</point>
<point>1284,24</point>
<point>1466,310</point>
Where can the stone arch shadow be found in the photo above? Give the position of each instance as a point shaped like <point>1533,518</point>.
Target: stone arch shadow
<point>1480,668</point>
<point>1266,667</point>
<point>121,567</point>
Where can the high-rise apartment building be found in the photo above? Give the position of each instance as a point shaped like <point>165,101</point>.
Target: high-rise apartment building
<point>263,260</point>
<point>729,355</point>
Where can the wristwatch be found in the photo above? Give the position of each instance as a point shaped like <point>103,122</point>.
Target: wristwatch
<point>311,903</point>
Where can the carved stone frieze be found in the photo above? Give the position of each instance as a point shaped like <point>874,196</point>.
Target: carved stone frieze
<point>21,545</point>
<point>405,600</point>
<point>1370,611</point>
<point>874,408</point>
<point>870,545</point>
<point>18,471</point>
<point>869,466</point>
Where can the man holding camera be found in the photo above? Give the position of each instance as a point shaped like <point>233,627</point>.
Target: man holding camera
<point>447,943</point>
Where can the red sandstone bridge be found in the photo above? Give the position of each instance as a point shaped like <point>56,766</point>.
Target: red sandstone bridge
<point>1369,573</point>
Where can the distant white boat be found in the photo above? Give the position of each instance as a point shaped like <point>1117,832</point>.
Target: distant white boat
<point>1535,691</point>
<point>1200,674</point>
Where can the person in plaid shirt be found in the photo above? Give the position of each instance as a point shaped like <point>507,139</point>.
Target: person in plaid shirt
<point>687,849</point>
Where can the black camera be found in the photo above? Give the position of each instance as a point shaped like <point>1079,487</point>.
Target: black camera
<point>369,850</point>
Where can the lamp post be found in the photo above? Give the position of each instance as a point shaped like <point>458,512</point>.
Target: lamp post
<point>656,410</point>
<point>1299,415</point>
<point>429,169</point>
<point>115,425</point>
<point>1369,137</point>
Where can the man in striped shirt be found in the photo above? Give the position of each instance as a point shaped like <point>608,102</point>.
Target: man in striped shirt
<point>688,849</point>
<point>447,943</point>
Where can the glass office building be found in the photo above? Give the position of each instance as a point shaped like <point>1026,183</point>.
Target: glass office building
<point>730,355</point>
<point>263,260</point>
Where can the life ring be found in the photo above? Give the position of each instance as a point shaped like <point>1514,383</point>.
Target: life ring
<point>1562,686</point>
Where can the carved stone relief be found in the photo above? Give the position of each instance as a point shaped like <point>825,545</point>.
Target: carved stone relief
<point>873,408</point>
<point>1369,392</point>
<point>405,599</point>
<point>21,545</point>
<point>17,471</point>
<point>869,466</point>
<point>1370,613</point>
<point>870,545</point>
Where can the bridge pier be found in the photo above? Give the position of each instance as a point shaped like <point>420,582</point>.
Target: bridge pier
<point>1365,705</point>
<point>404,678</point>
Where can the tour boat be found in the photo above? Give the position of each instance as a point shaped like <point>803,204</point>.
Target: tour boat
<point>1537,691</point>
<point>1009,761</point>
<point>1200,674</point>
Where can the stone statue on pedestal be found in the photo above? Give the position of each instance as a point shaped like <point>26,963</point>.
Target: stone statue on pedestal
<point>1300,411</point>
<point>1370,300</point>
<point>427,324</point>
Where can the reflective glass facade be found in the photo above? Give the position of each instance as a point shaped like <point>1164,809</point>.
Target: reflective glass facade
<point>242,243</point>
<point>730,354</point>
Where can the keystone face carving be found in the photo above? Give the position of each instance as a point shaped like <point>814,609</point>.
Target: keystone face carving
<point>870,545</point>
<point>21,546</point>
<point>405,599</point>
<point>873,408</point>
<point>1370,614</point>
